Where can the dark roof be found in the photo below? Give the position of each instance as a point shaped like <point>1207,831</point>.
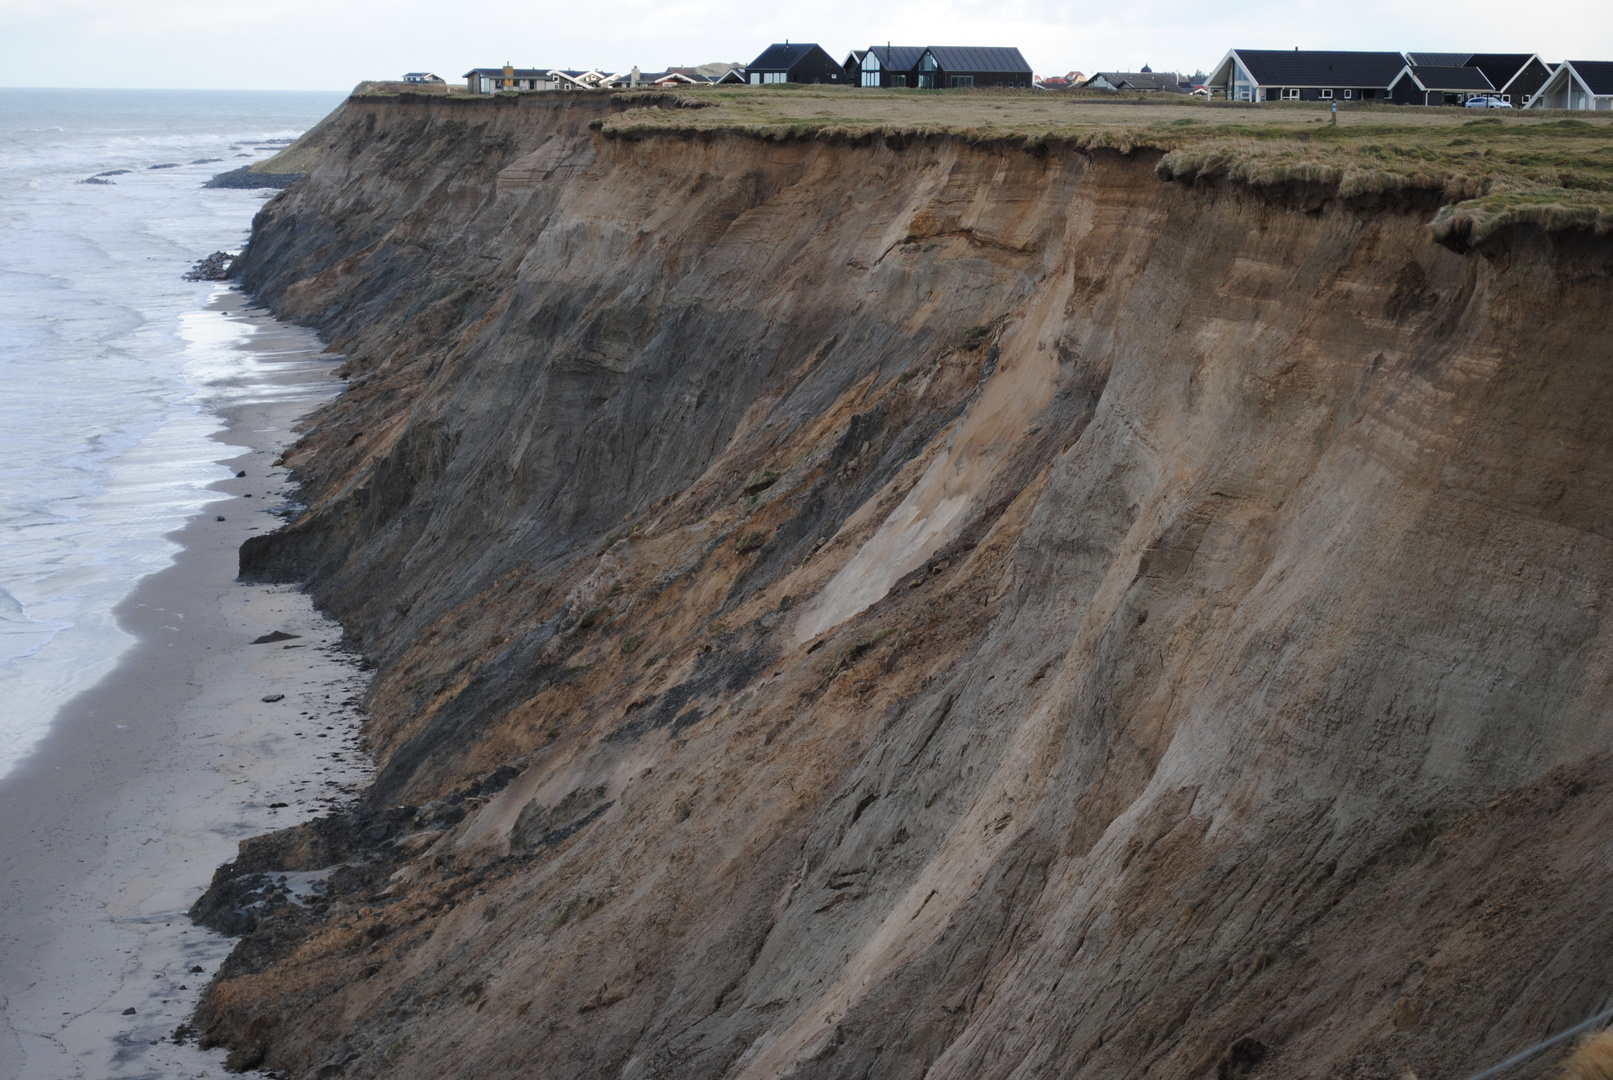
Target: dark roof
<point>781,57</point>
<point>1596,74</point>
<point>979,58</point>
<point>897,57</point>
<point>1500,68</point>
<point>1452,78</point>
<point>1438,59</point>
<point>1279,67</point>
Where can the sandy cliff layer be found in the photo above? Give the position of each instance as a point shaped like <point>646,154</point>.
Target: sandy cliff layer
<point>933,608</point>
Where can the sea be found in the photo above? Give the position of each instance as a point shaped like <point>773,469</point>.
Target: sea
<point>109,358</point>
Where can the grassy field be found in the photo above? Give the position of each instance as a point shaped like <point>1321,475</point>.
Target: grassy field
<point>1490,167</point>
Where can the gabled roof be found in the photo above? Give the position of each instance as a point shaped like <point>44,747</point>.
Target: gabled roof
<point>1450,79</point>
<point>897,57</point>
<point>1438,59</point>
<point>1280,67</point>
<point>1500,68</point>
<point>781,57</point>
<point>979,58</point>
<point>1140,80</point>
<point>732,75</point>
<point>854,58</point>
<point>1597,75</point>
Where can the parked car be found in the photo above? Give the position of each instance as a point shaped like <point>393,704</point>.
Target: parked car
<point>1485,101</point>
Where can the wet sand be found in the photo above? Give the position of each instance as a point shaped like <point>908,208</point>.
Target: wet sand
<point>149,779</point>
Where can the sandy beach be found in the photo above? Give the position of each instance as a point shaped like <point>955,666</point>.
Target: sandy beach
<point>148,781</point>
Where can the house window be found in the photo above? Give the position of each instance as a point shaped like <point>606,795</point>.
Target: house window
<point>1507,98</point>
<point>774,76</point>
<point>756,78</point>
<point>1326,94</point>
<point>1292,93</point>
<point>1348,94</point>
<point>1526,98</point>
<point>963,80</point>
<point>899,80</point>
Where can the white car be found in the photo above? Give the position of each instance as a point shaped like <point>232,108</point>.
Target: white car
<point>1484,101</point>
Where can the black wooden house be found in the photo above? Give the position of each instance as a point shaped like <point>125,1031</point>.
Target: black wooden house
<point>1516,77</point>
<point>788,63</point>
<point>1431,84</point>
<point>1279,75</point>
<point>888,66</point>
<point>935,67</point>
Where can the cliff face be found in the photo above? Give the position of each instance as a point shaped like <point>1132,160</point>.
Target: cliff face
<point>935,609</point>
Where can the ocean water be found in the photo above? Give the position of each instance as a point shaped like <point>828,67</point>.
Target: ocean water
<point>109,359</point>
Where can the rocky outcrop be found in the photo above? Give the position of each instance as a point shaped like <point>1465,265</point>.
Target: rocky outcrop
<point>948,609</point>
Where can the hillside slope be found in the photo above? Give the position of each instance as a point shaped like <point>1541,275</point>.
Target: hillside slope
<point>925,606</point>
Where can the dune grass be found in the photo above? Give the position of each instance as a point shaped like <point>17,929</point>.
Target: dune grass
<point>1593,1060</point>
<point>1553,169</point>
<point>1489,169</point>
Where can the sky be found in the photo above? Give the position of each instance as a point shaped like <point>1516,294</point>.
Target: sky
<point>334,44</point>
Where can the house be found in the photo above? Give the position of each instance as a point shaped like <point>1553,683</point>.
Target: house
<point>945,66</point>
<point>1438,85</point>
<point>965,66</point>
<point>788,63</point>
<point>1516,77</point>
<point>1147,80</point>
<point>679,77</point>
<point>1068,81</point>
<point>494,80</point>
<point>733,76</point>
<point>887,66</point>
<point>1577,84</point>
<point>571,79</point>
<point>1281,75</point>
<point>424,77</point>
<point>853,67</point>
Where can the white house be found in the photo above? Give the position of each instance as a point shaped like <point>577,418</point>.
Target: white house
<point>1577,84</point>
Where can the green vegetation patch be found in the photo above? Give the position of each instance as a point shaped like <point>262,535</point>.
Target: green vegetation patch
<point>1547,168</point>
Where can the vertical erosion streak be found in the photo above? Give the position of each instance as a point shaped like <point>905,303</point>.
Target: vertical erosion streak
<point>938,507</point>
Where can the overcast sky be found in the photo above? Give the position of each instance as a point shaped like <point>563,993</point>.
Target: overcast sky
<point>333,44</point>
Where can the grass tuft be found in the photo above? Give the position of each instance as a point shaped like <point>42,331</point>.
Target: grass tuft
<point>1593,1060</point>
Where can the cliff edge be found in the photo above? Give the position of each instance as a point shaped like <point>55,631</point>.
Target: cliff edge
<point>903,605</point>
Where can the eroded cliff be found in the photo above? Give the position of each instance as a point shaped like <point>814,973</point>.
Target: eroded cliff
<point>933,607</point>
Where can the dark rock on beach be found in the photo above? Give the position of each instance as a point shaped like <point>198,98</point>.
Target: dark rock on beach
<point>278,635</point>
<point>244,177</point>
<point>216,267</point>
<point>95,180</point>
<point>165,165</point>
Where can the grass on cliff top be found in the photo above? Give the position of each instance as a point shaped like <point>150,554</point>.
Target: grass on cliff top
<point>1491,168</point>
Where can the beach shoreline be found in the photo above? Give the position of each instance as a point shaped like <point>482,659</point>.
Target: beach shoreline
<point>148,780</point>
